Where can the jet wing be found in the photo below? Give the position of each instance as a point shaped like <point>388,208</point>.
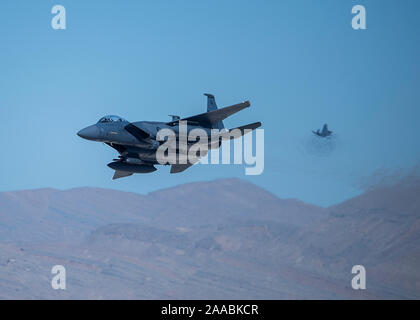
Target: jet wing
<point>239,131</point>
<point>207,119</point>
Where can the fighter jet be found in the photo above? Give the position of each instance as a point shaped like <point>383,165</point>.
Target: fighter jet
<point>137,142</point>
<point>324,133</point>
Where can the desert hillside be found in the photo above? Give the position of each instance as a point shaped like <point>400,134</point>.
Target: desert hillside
<point>208,240</point>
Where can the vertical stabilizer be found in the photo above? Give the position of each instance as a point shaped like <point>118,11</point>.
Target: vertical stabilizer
<point>211,106</point>
<point>211,102</point>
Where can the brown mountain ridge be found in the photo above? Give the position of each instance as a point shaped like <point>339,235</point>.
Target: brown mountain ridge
<point>221,239</point>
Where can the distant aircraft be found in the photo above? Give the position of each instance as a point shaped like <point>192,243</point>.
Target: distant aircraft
<point>137,142</point>
<point>324,133</point>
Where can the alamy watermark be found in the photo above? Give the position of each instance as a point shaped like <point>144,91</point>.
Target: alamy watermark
<point>359,280</point>
<point>58,282</point>
<point>359,20</point>
<point>58,22</point>
<point>189,145</point>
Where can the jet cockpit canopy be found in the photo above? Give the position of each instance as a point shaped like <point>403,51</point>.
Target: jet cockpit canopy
<point>111,118</point>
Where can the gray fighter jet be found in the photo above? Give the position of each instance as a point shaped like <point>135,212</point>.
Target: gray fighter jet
<point>324,133</point>
<point>137,142</point>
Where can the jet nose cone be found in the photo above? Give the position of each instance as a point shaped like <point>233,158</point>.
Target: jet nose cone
<point>89,133</point>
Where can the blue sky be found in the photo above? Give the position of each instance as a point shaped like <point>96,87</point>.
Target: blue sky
<point>299,63</point>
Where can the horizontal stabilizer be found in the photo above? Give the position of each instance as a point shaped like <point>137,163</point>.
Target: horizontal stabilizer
<point>240,131</point>
<point>121,174</point>
<point>208,119</point>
